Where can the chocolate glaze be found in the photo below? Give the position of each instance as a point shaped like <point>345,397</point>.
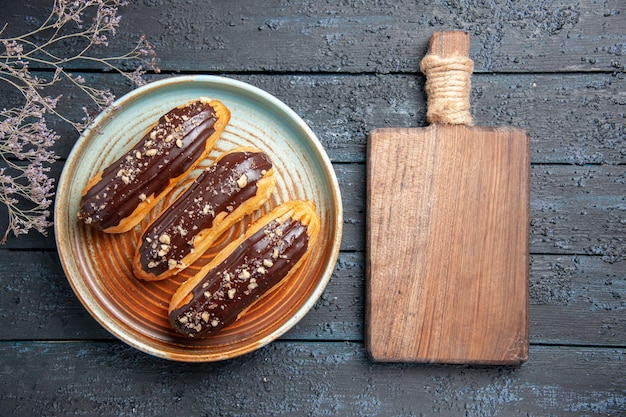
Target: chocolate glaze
<point>166,151</point>
<point>222,187</point>
<point>255,266</point>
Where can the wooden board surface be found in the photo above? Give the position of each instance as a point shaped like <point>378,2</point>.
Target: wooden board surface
<point>448,228</point>
<point>447,254</point>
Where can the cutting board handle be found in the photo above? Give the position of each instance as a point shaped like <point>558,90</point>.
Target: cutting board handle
<point>448,70</point>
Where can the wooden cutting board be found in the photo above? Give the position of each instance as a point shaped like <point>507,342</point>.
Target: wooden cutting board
<point>448,230</point>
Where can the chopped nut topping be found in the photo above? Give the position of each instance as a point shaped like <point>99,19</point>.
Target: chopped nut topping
<point>179,143</point>
<point>151,152</point>
<point>164,238</point>
<point>231,293</point>
<point>142,197</point>
<point>215,322</point>
<point>242,181</point>
<point>205,316</point>
<point>244,274</point>
<point>268,263</point>
<point>171,263</point>
<point>260,270</point>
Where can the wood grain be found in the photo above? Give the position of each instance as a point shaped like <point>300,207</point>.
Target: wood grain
<point>447,236</point>
<point>575,210</point>
<point>588,128</point>
<point>382,37</point>
<point>574,300</point>
<point>303,379</point>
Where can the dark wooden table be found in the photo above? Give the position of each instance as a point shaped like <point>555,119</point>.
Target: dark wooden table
<point>554,68</point>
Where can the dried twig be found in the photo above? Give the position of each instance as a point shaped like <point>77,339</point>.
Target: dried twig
<point>25,139</point>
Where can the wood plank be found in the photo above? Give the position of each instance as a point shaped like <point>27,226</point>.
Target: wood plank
<point>572,296</point>
<point>302,378</point>
<point>572,213</point>
<point>574,210</point>
<point>588,127</point>
<point>38,302</point>
<point>382,36</point>
<point>574,300</point>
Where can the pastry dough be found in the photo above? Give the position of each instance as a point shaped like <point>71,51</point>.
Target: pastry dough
<point>270,251</point>
<point>119,197</point>
<point>236,184</point>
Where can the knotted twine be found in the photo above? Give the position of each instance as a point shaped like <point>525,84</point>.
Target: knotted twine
<point>448,83</point>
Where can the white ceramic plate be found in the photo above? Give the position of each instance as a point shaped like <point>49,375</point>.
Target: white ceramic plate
<point>98,265</point>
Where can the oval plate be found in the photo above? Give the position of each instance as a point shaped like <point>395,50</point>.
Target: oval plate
<point>98,265</point>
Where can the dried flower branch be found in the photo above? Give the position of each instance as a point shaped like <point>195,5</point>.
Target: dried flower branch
<point>25,139</point>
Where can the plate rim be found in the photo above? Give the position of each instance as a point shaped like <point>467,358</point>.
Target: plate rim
<point>61,226</point>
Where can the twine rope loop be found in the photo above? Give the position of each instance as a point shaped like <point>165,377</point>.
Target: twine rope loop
<point>448,84</point>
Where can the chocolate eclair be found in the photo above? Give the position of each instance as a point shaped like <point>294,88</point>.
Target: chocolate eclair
<point>237,183</point>
<point>118,198</point>
<point>270,251</point>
